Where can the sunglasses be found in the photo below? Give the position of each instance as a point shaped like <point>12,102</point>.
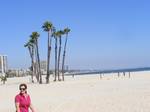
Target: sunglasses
<point>23,89</point>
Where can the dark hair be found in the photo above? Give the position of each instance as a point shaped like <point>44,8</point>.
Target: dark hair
<point>23,84</point>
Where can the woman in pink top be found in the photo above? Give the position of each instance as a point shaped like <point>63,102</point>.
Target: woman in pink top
<point>22,100</point>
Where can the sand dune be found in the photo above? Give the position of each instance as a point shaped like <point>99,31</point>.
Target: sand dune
<point>86,93</point>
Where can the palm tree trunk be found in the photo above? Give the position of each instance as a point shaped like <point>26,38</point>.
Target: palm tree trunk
<point>63,61</point>
<point>48,59</point>
<point>39,67</point>
<point>36,65</point>
<point>129,75</point>
<point>55,58</point>
<point>59,58</point>
<point>31,55</point>
<point>118,74</point>
<point>49,56</point>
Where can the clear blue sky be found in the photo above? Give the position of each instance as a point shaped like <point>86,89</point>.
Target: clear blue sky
<point>105,34</point>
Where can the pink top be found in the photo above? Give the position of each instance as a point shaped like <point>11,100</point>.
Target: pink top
<point>24,102</point>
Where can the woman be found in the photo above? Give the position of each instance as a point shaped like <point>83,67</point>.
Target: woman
<point>22,100</point>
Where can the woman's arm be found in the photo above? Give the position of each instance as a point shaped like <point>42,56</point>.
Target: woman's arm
<point>17,107</point>
<point>31,107</point>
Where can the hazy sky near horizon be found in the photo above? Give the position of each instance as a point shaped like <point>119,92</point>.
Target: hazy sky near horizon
<point>105,34</point>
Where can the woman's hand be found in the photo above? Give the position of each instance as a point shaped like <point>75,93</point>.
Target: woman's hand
<point>17,107</point>
<point>31,107</point>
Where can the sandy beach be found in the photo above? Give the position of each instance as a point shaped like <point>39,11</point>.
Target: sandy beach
<point>86,93</point>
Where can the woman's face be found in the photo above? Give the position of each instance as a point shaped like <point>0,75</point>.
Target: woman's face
<point>22,89</point>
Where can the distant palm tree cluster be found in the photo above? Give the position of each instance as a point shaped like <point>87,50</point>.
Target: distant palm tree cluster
<point>33,48</point>
<point>3,79</point>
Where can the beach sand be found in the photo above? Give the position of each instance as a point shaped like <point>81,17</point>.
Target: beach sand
<point>86,93</point>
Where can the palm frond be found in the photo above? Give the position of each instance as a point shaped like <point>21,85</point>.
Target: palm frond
<point>47,26</point>
<point>35,35</point>
<point>66,30</point>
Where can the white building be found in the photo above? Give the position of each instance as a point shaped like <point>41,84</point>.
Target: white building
<point>43,66</point>
<point>3,64</point>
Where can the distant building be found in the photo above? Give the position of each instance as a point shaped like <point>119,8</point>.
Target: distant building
<point>3,64</point>
<point>43,66</point>
<point>66,68</point>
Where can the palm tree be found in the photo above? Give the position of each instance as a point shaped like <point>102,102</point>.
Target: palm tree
<point>47,26</point>
<point>30,47</point>
<point>35,36</point>
<point>66,31</point>
<point>55,35</point>
<point>60,33</point>
<point>33,61</point>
